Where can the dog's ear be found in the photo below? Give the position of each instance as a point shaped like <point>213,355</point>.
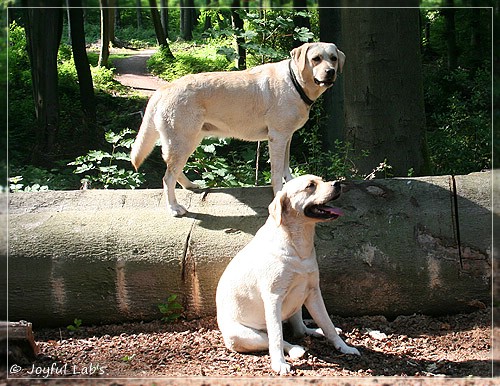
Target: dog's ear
<point>341,57</point>
<point>278,207</point>
<point>299,56</point>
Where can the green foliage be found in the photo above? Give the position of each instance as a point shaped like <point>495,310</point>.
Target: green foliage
<point>75,326</point>
<point>458,119</point>
<point>223,162</point>
<point>458,102</point>
<point>30,178</point>
<point>101,169</point>
<point>171,309</point>
<point>267,36</point>
<point>128,358</point>
<point>189,59</point>
<point>19,62</point>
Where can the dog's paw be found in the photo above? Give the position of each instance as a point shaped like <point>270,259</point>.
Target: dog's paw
<point>316,332</point>
<point>191,186</point>
<point>282,368</point>
<point>177,210</point>
<point>296,352</point>
<point>345,349</point>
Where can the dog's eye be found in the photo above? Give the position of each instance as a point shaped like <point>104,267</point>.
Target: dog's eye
<point>316,59</point>
<point>311,185</point>
<point>333,58</point>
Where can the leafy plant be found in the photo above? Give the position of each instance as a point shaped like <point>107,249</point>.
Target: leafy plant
<point>75,326</point>
<point>101,169</point>
<point>209,168</point>
<point>458,119</point>
<point>267,36</point>
<point>16,186</point>
<point>128,358</point>
<point>171,309</point>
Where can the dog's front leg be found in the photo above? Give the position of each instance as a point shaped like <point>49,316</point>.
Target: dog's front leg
<point>272,308</point>
<point>286,167</point>
<point>277,153</point>
<point>316,307</point>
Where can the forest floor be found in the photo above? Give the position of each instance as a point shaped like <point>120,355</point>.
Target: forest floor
<point>416,348</point>
<point>132,71</point>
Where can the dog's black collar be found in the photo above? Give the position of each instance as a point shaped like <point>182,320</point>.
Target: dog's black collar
<point>308,101</point>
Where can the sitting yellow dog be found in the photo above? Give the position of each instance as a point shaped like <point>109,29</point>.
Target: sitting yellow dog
<point>270,279</point>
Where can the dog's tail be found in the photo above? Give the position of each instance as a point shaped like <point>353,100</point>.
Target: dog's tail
<point>146,138</point>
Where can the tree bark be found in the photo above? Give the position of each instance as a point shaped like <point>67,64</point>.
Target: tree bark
<point>187,19</point>
<point>160,35</point>
<point>384,104</point>
<point>237,22</point>
<point>396,242</point>
<point>450,34</point>
<point>82,65</point>
<point>111,21</point>
<point>164,16</point>
<point>43,36</point>
<point>139,13</point>
<point>330,31</point>
<point>104,51</point>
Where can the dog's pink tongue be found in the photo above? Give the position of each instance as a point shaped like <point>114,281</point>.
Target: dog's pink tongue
<point>333,210</point>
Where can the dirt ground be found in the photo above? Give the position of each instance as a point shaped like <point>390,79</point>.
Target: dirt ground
<point>132,71</point>
<point>457,346</point>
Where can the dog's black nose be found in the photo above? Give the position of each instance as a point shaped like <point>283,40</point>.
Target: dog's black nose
<point>337,185</point>
<point>330,72</point>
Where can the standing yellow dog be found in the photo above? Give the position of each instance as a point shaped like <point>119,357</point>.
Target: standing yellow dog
<point>268,102</point>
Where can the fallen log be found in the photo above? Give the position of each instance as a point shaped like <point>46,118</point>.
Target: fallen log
<point>414,245</point>
<point>17,342</point>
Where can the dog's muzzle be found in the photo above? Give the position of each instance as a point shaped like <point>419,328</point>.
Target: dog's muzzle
<point>324,211</point>
<point>328,80</point>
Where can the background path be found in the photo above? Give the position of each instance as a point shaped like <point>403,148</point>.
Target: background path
<point>132,71</point>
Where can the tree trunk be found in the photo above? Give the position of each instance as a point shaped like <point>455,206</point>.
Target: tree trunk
<point>330,31</point>
<point>82,68</point>
<point>160,35</point>
<point>43,36</point>
<point>384,104</point>
<point>118,17</point>
<point>450,34</point>
<point>91,251</point>
<point>111,21</point>
<point>164,16</point>
<point>187,20</point>
<point>139,13</point>
<point>237,22</point>
<point>104,52</point>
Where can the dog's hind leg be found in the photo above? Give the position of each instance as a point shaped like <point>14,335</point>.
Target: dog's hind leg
<point>175,155</point>
<point>245,339</point>
<point>300,329</point>
<point>186,183</point>
<point>240,338</point>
